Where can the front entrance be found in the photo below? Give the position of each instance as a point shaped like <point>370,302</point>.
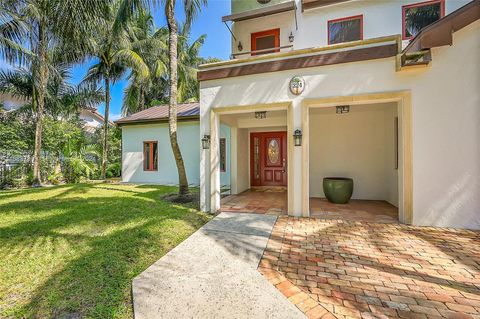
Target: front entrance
<point>268,159</point>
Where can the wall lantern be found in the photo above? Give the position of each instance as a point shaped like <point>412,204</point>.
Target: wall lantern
<point>260,115</point>
<point>240,46</point>
<point>291,37</point>
<point>341,109</point>
<point>206,142</point>
<point>297,136</point>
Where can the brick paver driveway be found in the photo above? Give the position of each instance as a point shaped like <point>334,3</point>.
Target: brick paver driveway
<point>367,270</point>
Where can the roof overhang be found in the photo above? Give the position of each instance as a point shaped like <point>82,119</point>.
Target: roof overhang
<point>157,120</point>
<point>440,33</point>
<point>310,4</point>
<point>252,14</point>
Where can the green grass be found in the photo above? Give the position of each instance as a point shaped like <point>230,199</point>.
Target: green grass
<point>72,251</point>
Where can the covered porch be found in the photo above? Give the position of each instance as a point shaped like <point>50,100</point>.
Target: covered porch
<point>271,201</point>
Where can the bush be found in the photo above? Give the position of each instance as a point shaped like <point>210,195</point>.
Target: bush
<point>114,170</point>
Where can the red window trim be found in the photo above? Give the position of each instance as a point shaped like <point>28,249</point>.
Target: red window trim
<point>420,4</point>
<point>359,16</point>
<point>224,156</point>
<point>149,144</point>
<point>255,35</point>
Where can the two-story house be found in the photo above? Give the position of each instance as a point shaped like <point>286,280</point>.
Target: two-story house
<point>384,92</point>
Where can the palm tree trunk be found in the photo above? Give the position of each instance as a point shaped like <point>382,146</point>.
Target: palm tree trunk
<point>105,129</point>
<point>42,81</point>
<point>172,110</point>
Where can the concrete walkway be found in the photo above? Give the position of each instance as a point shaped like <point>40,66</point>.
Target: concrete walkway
<point>213,274</point>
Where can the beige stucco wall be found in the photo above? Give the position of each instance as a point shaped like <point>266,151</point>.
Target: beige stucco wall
<point>445,111</point>
<point>359,145</point>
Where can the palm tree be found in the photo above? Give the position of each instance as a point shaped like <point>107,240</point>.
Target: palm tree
<point>29,30</point>
<point>191,7</point>
<point>143,93</point>
<point>115,52</point>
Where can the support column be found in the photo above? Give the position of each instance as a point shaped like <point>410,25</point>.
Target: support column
<point>204,163</point>
<point>233,160</point>
<point>214,162</point>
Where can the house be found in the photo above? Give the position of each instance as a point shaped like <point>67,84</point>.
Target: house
<point>147,156</point>
<point>384,92</point>
<point>88,115</point>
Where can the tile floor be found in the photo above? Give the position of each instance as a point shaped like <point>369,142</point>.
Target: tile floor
<point>354,269</point>
<point>274,202</point>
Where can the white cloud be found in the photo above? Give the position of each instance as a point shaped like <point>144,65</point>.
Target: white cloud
<point>114,117</point>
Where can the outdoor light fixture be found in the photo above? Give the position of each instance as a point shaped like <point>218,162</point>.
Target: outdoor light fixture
<point>240,46</point>
<point>206,142</point>
<point>341,109</point>
<point>260,115</point>
<point>297,136</point>
<point>291,37</point>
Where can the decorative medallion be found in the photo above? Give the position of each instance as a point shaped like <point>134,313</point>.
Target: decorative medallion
<point>297,85</point>
<point>263,1</point>
<point>273,151</point>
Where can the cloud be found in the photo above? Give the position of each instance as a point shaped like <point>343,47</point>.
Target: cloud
<point>114,117</point>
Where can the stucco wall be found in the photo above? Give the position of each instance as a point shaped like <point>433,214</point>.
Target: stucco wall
<point>133,137</point>
<point>359,145</point>
<point>446,119</point>
<point>380,18</point>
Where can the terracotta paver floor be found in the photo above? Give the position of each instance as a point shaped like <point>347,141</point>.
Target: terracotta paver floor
<point>377,211</point>
<point>350,269</point>
<point>268,201</point>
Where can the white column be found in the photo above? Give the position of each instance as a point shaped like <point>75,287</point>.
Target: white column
<point>295,184</point>
<point>204,162</point>
<point>214,162</point>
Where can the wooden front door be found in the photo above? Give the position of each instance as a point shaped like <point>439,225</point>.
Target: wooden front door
<point>268,159</point>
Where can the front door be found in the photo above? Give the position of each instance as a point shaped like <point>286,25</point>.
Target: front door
<point>268,159</point>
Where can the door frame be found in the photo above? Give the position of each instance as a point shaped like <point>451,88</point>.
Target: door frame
<point>284,148</point>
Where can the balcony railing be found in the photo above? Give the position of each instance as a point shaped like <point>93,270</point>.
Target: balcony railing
<point>262,51</point>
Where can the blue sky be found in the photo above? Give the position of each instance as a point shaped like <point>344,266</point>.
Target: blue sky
<point>217,44</point>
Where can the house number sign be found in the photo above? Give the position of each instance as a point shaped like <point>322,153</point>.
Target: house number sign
<point>297,85</point>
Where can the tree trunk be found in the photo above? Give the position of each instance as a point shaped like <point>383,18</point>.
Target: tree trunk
<point>41,81</point>
<point>105,129</point>
<point>172,110</point>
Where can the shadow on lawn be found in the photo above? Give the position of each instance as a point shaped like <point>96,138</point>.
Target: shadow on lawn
<point>119,238</point>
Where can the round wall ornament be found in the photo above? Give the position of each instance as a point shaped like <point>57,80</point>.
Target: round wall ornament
<point>297,85</point>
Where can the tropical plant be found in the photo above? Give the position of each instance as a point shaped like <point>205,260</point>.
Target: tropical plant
<point>30,31</point>
<point>191,7</point>
<point>142,93</point>
<point>115,52</point>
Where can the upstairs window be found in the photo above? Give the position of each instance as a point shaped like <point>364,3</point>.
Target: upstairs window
<point>417,16</point>
<point>150,156</point>
<point>264,40</point>
<point>345,29</point>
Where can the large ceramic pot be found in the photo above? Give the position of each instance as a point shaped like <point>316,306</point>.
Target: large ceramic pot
<point>338,190</point>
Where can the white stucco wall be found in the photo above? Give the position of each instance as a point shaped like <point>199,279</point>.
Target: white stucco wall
<point>133,137</point>
<point>446,119</point>
<point>359,145</point>
<point>380,18</point>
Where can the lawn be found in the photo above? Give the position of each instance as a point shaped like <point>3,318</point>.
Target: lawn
<point>72,251</point>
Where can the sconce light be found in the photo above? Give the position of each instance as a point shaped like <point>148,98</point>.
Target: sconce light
<point>240,46</point>
<point>206,142</point>
<point>291,37</point>
<point>341,109</point>
<point>261,115</point>
<point>297,136</point>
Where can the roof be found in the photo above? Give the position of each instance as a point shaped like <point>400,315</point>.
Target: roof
<point>256,13</point>
<point>440,32</point>
<point>185,111</point>
<point>310,4</point>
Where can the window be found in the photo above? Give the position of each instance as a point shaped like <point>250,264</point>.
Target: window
<point>150,156</point>
<point>345,29</point>
<point>417,16</point>
<point>223,155</point>
<point>264,40</point>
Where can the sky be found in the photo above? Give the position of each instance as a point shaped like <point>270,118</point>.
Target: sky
<point>209,22</point>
